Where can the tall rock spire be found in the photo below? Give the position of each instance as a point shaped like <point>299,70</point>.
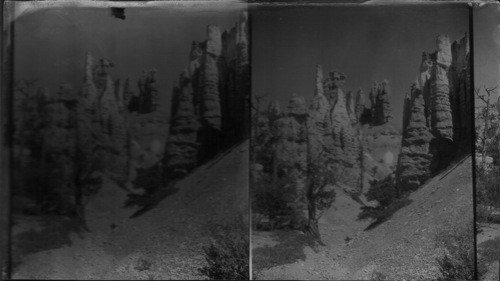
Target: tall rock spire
<point>441,118</point>
<point>210,106</point>
<point>414,158</point>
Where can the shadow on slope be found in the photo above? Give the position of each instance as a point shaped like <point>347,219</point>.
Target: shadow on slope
<point>405,243</point>
<point>173,233</point>
<point>289,250</point>
<point>380,215</point>
<point>490,250</point>
<point>52,232</point>
<point>385,192</point>
<point>158,188</point>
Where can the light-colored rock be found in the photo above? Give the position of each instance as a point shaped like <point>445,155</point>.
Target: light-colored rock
<point>214,44</point>
<point>181,153</point>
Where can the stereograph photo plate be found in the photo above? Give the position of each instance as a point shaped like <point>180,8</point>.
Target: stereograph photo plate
<point>246,140</point>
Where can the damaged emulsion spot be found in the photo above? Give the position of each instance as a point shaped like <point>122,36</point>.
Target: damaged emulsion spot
<point>118,12</point>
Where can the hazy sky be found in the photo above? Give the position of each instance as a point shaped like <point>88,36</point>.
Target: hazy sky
<point>50,44</point>
<point>487,45</point>
<point>366,43</point>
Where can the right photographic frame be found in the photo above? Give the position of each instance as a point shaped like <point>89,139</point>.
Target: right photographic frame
<point>362,142</point>
<point>486,24</point>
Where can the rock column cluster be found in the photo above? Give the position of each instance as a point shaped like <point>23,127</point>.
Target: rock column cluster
<point>210,102</point>
<point>102,125</point>
<point>440,99</point>
<point>326,131</point>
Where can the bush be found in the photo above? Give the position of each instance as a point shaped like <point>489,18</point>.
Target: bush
<point>488,186</point>
<point>385,193</point>
<point>484,214</point>
<point>228,254</point>
<point>458,261</point>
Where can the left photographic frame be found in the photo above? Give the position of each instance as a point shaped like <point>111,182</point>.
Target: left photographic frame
<point>127,152</point>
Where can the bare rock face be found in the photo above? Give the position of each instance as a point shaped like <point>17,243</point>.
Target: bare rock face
<point>236,79</point>
<point>127,94</point>
<point>360,104</point>
<point>459,77</point>
<point>89,93</point>
<point>101,124</point>
<point>351,107</point>
<point>148,92</point>
<point>345,142</point>
<point>381,110</point>
<point>319,105</point>
<point>113,129</point>
<point>384,99</point>
<point>215,88</point>
<point>373,99</point>
<point>210,104</point>
<point>441,94</point>
<point>442,123</point>
<point>182,148</point>
<point>319,123</point>
<point>414,158</point>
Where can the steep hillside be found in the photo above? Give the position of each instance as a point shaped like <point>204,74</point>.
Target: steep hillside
<point>163,243</point>
<point>403,247</point>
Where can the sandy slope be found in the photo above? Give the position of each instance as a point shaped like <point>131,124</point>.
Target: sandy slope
<point>163,243</point>
<point>401,248</point>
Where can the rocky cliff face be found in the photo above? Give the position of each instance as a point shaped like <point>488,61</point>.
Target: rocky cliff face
<point>380,110</point>
<point>440,99</point>
<point>147,98</point>
<point>210,105</point>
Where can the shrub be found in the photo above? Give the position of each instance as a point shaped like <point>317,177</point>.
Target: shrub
<point>458,242</point>
<point>228,255</point>
<point>377,275</point>
<point>484,214</point>
<point>385,193</point>
<point>488,186</point>
<point>143,264</point>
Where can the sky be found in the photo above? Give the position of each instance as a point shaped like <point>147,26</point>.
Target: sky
<point>50,44</point>
<point>367,43</point>
<point>486,21</point>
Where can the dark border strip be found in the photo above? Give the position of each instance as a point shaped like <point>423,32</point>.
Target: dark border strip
<point>6,100</point>
<point>473,131</point>
<point>249,11</point>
